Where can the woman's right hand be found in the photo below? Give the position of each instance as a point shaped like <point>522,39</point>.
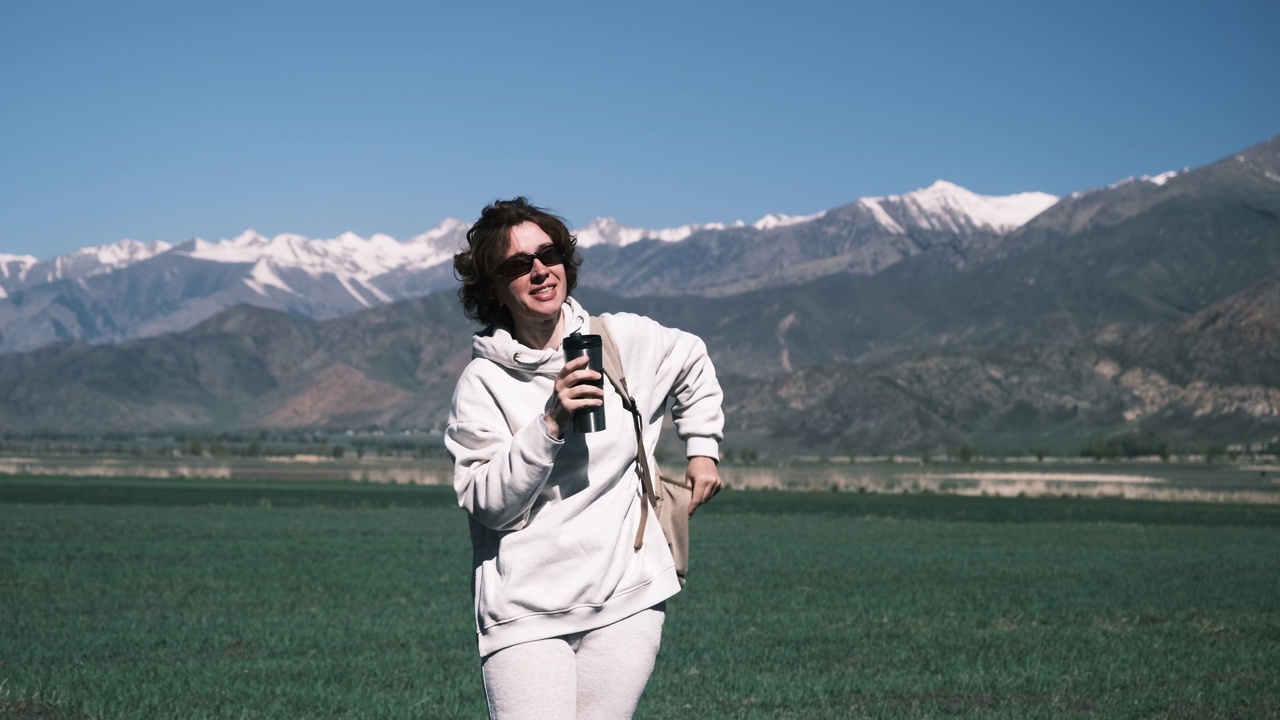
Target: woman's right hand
<point>574,390</point>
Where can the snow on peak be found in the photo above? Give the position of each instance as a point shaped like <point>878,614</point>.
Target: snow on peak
<point>90,261</point>
<point>14,269</point>
<point>1157,180</point>
<point>881,217</point>
<point>243,248</point>
<point>249,238</point>
<point>775,220</point>
<point>118,254</point>
<point>262,277</point>
<point>448,237</point>
<point>346,256</point>
<point>447,228</point>
<point>15,265</point>
<point>949,207</point>
<point>608,231</point>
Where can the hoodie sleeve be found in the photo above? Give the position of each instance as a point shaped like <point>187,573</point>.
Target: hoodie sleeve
<point>498,474</point>
<point>681,370</point>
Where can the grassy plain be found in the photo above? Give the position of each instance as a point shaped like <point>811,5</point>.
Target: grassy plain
<point>127,598</point>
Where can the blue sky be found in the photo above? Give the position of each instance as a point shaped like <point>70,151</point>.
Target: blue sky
<point>172,120</point>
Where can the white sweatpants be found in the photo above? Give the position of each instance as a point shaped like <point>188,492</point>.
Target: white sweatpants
<point>595,675</point>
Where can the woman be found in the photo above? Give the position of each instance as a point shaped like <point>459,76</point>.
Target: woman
<point>568,612</point>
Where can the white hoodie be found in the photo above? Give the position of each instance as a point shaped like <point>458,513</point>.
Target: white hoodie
<point>553,522</point>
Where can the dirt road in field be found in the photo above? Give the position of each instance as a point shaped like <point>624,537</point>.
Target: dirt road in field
<point>1250,487</point>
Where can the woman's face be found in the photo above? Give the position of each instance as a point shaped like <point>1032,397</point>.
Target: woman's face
<point>534,299</point>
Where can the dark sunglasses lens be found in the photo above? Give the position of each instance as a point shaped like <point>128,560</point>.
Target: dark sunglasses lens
<point>517,265</point>
<point>549,256</point>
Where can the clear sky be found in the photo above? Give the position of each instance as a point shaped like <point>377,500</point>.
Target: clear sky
<point>179,119</point>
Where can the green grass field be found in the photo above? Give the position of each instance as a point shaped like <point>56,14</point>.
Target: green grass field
<point>200,599</point>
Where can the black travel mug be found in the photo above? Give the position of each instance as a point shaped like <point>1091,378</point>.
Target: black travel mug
<point>577,345</point>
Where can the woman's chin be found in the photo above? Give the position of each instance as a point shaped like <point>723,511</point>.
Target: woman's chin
<point>539,311</point>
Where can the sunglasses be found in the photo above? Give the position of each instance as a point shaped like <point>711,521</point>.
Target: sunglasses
<point>522,263</point>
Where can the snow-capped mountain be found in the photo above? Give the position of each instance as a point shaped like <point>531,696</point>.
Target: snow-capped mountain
<point>347,255</point>
<point>947,207</point>
<point>447,237</point>
<point>776,220</point>
<point>607,231</point>
<point>1138,183</point>
<point>13,270</point>
<point>18,271</point>
<point>1156,180</point>
<point>128,289</point>
<point>863,237</point>
<point>15,266</point>
<point>942,206</point>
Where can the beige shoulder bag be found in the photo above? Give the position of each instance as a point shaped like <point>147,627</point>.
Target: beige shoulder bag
<point>670,498</point>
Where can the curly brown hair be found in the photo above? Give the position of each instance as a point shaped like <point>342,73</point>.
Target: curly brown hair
<point>489,241</point>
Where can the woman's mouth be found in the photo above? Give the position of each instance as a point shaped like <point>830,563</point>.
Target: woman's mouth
<point>544,292</point>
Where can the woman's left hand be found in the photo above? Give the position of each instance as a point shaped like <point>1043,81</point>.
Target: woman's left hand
<point>704,475</point>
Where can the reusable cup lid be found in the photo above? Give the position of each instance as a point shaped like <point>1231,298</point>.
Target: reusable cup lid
<point>578,341</point>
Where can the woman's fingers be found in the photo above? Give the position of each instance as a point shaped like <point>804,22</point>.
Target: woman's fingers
<point>577,377</point>
<point>705,476</point>
<point>576,393</point>
<point>575,389</point>
<point>575,364</point>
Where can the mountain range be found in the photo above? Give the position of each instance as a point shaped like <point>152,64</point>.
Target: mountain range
<point>129,289</point>
<point>896,323</point>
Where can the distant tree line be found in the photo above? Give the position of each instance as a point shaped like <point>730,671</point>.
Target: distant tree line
<point>259,443</point>
<point>1129,446</point>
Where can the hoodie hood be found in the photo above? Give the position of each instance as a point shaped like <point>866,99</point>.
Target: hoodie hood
<point>496,344</point>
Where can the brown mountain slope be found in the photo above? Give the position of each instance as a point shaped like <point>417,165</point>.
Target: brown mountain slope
<point>248,367</point>
<point>1213,378</point>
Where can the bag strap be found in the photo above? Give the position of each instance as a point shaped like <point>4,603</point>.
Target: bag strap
<point>617,377</point>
